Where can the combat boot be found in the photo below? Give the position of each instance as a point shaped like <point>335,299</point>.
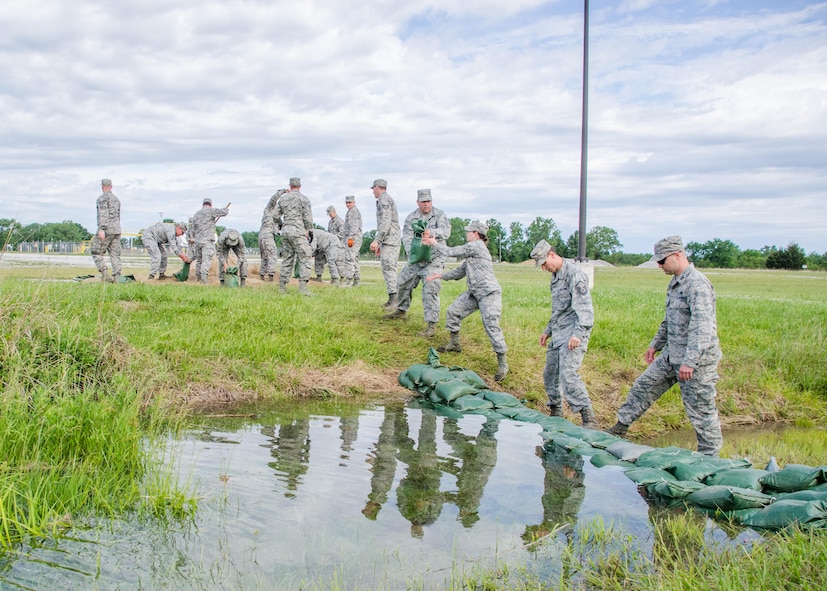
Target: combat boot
<point>303,289</point>
<point>104,275</point>
<point>429,331</point>
<point>589,419</point>
<point>221,281</point>
<point>162,276</point>
<point>115,278</point>
<point>397,315</point>
<point>554,410</point>
<point>282,288</point>
<point>151,278</point>
<point>618,429</point>
<point>269,279</point>
<point>390,305</point>
<point>355,282</point>
<point>317,279</point>
<point>343,282</point>
<point>502,368</point>
<point>452,345</point>
<point>243,281</point>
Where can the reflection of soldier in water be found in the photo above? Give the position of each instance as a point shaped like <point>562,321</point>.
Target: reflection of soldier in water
<point>384,461</point>
<point>349,430</point>
<point>563,492</point>
<point>479,456</point>
<point>291,450</point>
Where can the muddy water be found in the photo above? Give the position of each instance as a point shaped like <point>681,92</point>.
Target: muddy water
<point>329,496</point>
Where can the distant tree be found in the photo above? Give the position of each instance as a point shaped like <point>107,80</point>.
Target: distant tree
<point>10,232</point>
<point>515,244</point>
<point>791,258</point>
<point>496,233</point>
<point>367,238</point>
<point>457,236</point>
<point>817,261</point>
<point>601,242</point>
<point>751,259</point>
<point>250,239</point>
<point>628,259</point>
<point>721,254</point>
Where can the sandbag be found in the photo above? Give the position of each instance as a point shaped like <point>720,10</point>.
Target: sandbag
<point>602,458</point>
<point>449,390</point>
<point>471,402</point>
<point>740,477</point>
<point>405,381</point>
<point>785,513</point>
<point>414,372</point>
<point>804,495</point>
<point>231,277</point>
<point>646,476</point>
<point>469,377</point>
<point>598,439</point>
<point>431,376</point>
<point>626,450</point>
<point>559,424</point>
<point>728,498</point>
<point>501,399</point>
<point>674,489</point>
<point>704,466</point>
<point>565,441</point>
<point>793,477</point>
<point>184,273</point>
<point>668,457</point>
<point>419,253</point>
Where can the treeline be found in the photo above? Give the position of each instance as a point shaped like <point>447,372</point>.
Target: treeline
<point>512,244</point>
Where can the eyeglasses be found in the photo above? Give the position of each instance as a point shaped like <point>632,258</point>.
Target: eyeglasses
<point>663,260</point>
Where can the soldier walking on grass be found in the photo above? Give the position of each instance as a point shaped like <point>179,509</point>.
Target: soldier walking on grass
<point>293,216</point>
<point>267,239</point>
<point>156,238</point>
<point>388,239</point>
<point>203,230</point>
<point>352,242</point>
<point>689,351</point>
<point>108,237</point>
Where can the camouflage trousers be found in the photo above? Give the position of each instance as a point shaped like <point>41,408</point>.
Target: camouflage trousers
<point>294,247</point>
<point>204,254</point>
<point>269,254</point>
<point>407,280</point>
<point>561,378</point>
<point>334,258</point>
<point>698,396</point>
<point>352,261</point>
<point>490,307</point>
<point>157,257</point>
<point>389,258</point>
<point>112,246</point>
<point>241,262</point>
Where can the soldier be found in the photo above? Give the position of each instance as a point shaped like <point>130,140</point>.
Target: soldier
<point>231,240</point>
<point>267,239</point>
<point>425,220</point>
<point>156,238</point>
<point>484,292</point>
<point>108,237</point>
<point>203,235</point>
<point>328,247</point>
<point>566,336</point>
<point>388,239</point>
<point>352,241</point>
<point>294,217</point>
<point>688,341</point>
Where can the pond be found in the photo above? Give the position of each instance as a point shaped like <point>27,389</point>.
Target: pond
<point>326,495</point>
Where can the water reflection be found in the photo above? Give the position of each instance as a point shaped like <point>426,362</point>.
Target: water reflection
<point>563,492</point>
<point>291,449</point>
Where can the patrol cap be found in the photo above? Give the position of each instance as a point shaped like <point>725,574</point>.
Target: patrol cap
<point>540,252</point>
<point>382,183</point>
<point>207,201</point>
<point>666,246</point>
<point>232,237</point>
<point>423,195</point>
<point>350,199</point>
<point>181,225</point>
<point>295,182</point>
<point>106,183</point>
<point>330,209</point>
<point>477,226</point>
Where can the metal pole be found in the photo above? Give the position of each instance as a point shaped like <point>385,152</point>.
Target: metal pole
<point>584,137</point>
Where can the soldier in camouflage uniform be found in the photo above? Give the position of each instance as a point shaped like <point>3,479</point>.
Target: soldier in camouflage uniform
<point>327,247</point>
<point>267,239</point>
<point>388,239</point>
<point>231,240</point>
<point>435,224</point>
<point>689,351</point>
<point>335,226</point>
<point>484,292</point>
<point>567,334</point>
<point>293,215</point>
<point>203,233</point>
<point>156,238</point>
<point>108,237</point>
<point>352,241</point>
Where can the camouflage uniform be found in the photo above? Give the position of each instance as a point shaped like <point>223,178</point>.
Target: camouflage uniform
<point>267,239</point>
<point>203,232</point>
<point>293,215</point>
<point>353,229</point>
<point>687,336</point>
<point>389,239</point>
<point>224,246</point>
<point>572,315</point>
<point>155,239</point>
<point>328,247</point>
<point>109,221</point>
<point>336,227</point>
<point>484,292</point>
<point>413,273</point>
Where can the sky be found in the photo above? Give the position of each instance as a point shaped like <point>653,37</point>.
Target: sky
<point>706,118</point>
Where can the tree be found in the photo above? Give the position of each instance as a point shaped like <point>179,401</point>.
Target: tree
<point>721,254</point>
<point>457,236</point>
<point>751,259</point>
<point>250,239</point>
<point>817,261</point>
<point>791,258</point>
<point>601,242</point>
<point>496,233</point>
<point>10,232</point>
<point>367,238</point>
<point>515,244</point>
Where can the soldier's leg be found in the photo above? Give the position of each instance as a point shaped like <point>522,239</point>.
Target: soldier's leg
<point>115,254</point>
<point>430,293</point>
<point>288,261</point>
<point>207,255</point>
<point>96,250</point>
<point>491,309</point>
<point>406,282</point>
<point>698,395</point>
<point>551,377</point>
<point>648,387</point>
<point>389,257</point>
<point>154,252</point>
<point>571,384</point>
<point>164,262</point>
<point>242,263</point>
<point>305,254</point>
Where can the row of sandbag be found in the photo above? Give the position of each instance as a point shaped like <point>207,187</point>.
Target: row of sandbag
<point>729,488</point>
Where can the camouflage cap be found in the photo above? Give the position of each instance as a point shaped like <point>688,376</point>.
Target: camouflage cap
<point>330,209</point>
<point>380,183</point>
<point>295,182</point>
<point>350,199</point>
<point>106,183</point>
<point>478,227</point>
<point>181,225</point>
<point>540,252</point>
<point>232,237</point>
<point>666,246</point>
<point>207,201</point>
<point>423,195</point>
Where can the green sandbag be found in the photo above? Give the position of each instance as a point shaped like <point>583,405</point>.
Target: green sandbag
<point>793,477</point>
<point>414,372</point>
<point>527,415</point>
<point>740,477</point>
<point>598,439</point>
<point>626,450</point>
<point>231,277</point>
<point>668,457</point>
<point>784,513</point>
<point>405,381</point>
<point>560,424</point>
<point>675,489</point>
<point>565,441</point>
<point>602,458</point>
<point>447,411</point>
<point>468,376</point>
<point>450,390</point>
<point>704,466</point>
<point>803,495</point>
<point>501,399</point>
<point>184,273</point>
<point>471,402</point>
<point>646,476</point>
<point>728,498</point>
<point>419,253</point>
<point>431,376</point>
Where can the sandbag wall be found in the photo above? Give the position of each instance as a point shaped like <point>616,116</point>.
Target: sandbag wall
<point>729,489</point>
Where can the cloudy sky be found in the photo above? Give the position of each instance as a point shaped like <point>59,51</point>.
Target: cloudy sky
<point>707,118</point>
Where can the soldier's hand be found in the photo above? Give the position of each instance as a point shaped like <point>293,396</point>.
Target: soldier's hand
<point>543,339</point>
<point>650,355</point>
<point>685,373</point>
<point>574,342</point>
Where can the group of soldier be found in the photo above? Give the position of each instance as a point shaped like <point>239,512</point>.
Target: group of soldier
<point>687,339</point>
